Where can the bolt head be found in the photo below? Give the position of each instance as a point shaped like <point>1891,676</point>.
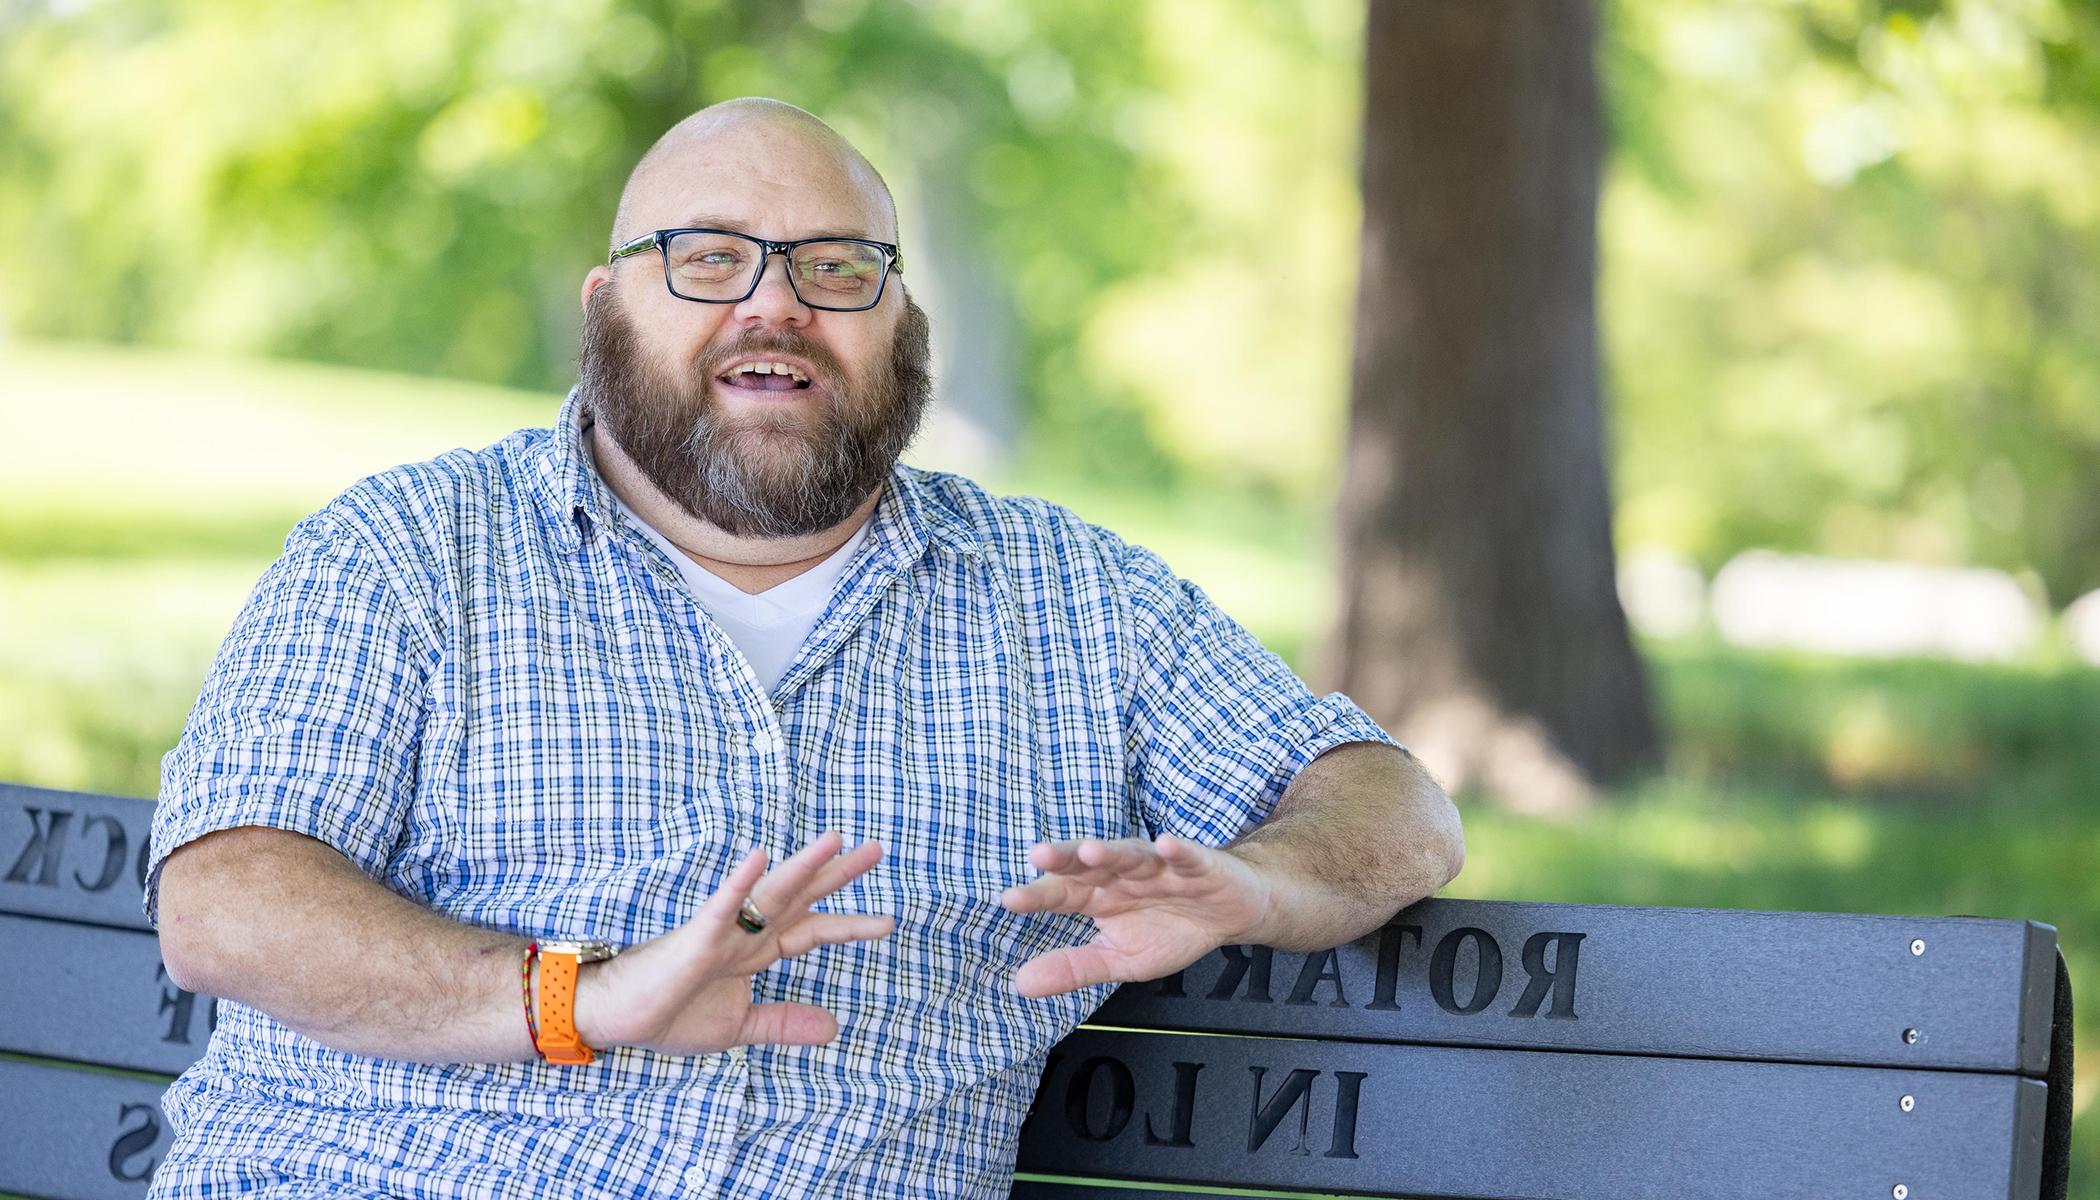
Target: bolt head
<point>1900,1192</point>
<point>1908,1103</point>
<point>1910,1037</point>
<point>1917,946</point>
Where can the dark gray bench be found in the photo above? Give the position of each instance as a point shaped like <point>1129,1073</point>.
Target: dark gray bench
<point>1468,1049</point>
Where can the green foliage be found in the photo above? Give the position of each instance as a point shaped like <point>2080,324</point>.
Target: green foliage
<point>422,188</point>
<point>1848,280</point>
<point>1848,289</point>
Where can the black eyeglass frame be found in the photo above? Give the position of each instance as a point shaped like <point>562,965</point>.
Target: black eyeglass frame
<point>661,239</point>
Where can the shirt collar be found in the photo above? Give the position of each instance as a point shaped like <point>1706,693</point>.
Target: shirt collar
<point>907,519</point>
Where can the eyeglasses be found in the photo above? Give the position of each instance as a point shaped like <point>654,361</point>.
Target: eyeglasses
<point>716,266</point>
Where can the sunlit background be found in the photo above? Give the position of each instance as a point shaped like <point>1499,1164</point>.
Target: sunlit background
<point>1850,295</point>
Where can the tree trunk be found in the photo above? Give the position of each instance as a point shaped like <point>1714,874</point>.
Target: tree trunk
<point>1480,621</point>
<point>975,329</point>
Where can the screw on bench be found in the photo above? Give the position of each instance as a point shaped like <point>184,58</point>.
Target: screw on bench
<point>1900,1192</point>
<point>1917,946</point>
<point>1910,1037</point>
<point>1908,1103</point>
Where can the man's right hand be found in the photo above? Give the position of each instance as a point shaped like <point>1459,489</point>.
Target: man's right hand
<point>689,990</point>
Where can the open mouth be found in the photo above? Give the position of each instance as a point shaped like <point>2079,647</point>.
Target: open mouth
<point>760,375</point>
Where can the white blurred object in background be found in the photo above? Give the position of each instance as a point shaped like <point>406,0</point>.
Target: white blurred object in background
<point>1839,606</point>
<point>2082,627</point>
<point>1663,592</point>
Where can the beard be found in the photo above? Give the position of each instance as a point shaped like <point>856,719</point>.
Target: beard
<point>779,473</point>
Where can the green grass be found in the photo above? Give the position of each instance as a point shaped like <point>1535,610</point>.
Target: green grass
<point>148,490</point>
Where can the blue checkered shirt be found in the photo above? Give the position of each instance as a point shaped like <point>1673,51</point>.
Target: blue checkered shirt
<point>493,693</point>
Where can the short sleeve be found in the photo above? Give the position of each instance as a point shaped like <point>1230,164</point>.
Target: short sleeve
<point>1216,724</point>
<point>309,715</point>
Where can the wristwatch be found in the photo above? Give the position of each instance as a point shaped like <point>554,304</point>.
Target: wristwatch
<point>557,1040</point>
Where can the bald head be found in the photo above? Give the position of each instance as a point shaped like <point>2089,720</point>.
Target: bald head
<point>751,139</point>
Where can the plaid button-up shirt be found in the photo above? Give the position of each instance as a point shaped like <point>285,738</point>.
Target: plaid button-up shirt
<point>492,693</point>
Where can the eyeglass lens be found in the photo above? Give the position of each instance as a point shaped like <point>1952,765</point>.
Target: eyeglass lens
<point>721,266</point>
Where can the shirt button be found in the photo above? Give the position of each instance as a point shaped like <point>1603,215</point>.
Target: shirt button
<point>696,1177</point>
<point>764,741</point>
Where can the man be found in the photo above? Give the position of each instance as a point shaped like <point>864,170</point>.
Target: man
<point>578,687</point>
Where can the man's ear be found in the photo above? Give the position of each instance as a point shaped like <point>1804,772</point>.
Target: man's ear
<point>599,276</point>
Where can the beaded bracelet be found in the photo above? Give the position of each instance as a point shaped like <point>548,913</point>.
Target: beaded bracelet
<point>532,1027</point>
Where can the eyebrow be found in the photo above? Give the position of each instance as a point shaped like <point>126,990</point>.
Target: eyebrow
<point>733,225</point>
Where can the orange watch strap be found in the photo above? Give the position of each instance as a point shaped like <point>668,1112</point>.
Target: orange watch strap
<point>558,1040</point>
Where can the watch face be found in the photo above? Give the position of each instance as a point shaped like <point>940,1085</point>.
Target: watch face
<point>584,951</point>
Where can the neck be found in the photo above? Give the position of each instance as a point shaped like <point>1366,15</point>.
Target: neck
<point>750,564</point>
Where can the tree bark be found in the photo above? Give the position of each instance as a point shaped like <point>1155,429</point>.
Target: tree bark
<point>975,329</point>
<point>1480,621</point>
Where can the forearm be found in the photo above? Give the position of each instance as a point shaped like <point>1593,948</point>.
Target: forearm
<point>282,923</point>
<point>1362,832</point>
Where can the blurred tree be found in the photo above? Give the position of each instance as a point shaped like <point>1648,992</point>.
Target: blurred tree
<point>1849,284</point>
<point>1479,614</point>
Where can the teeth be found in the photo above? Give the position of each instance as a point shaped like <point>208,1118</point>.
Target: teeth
<point>771,368</point>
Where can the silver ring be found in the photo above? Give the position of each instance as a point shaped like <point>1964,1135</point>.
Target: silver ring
<point>748,918</point>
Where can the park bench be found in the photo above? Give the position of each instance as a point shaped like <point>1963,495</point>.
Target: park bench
<point>1468,1049</point>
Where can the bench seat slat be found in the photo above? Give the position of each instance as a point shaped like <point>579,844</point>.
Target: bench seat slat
<point>1433,1121</point>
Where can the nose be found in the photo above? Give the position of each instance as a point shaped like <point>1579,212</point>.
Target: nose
<point>775,302</point>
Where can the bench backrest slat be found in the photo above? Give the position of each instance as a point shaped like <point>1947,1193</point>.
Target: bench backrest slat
<point>73,855</point>
<point>98,995</point>
<point>1799,987</point>
<point>83,1135</point>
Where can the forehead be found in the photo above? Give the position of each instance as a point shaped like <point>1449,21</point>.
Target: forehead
<point>770,180</point>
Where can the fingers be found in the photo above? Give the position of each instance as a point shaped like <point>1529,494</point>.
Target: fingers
<point>1104,879</point>
<point>1093,858</point>
<point>829,929</point>
<point>1061,857</point>
<point>1097,863</point>
<point>783,895</point>
<point>775,894</point>
<point>787,1025</point>
<point>721,908</point>
<point>837,873</point>
<point>1063,970</point>
<point>1051,893</point>
<point>1182,858</point>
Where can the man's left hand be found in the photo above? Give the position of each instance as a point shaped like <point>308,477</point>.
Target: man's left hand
<point>1157,907</point>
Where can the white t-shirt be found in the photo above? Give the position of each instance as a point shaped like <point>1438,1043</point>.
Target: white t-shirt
<point>768,627</point>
